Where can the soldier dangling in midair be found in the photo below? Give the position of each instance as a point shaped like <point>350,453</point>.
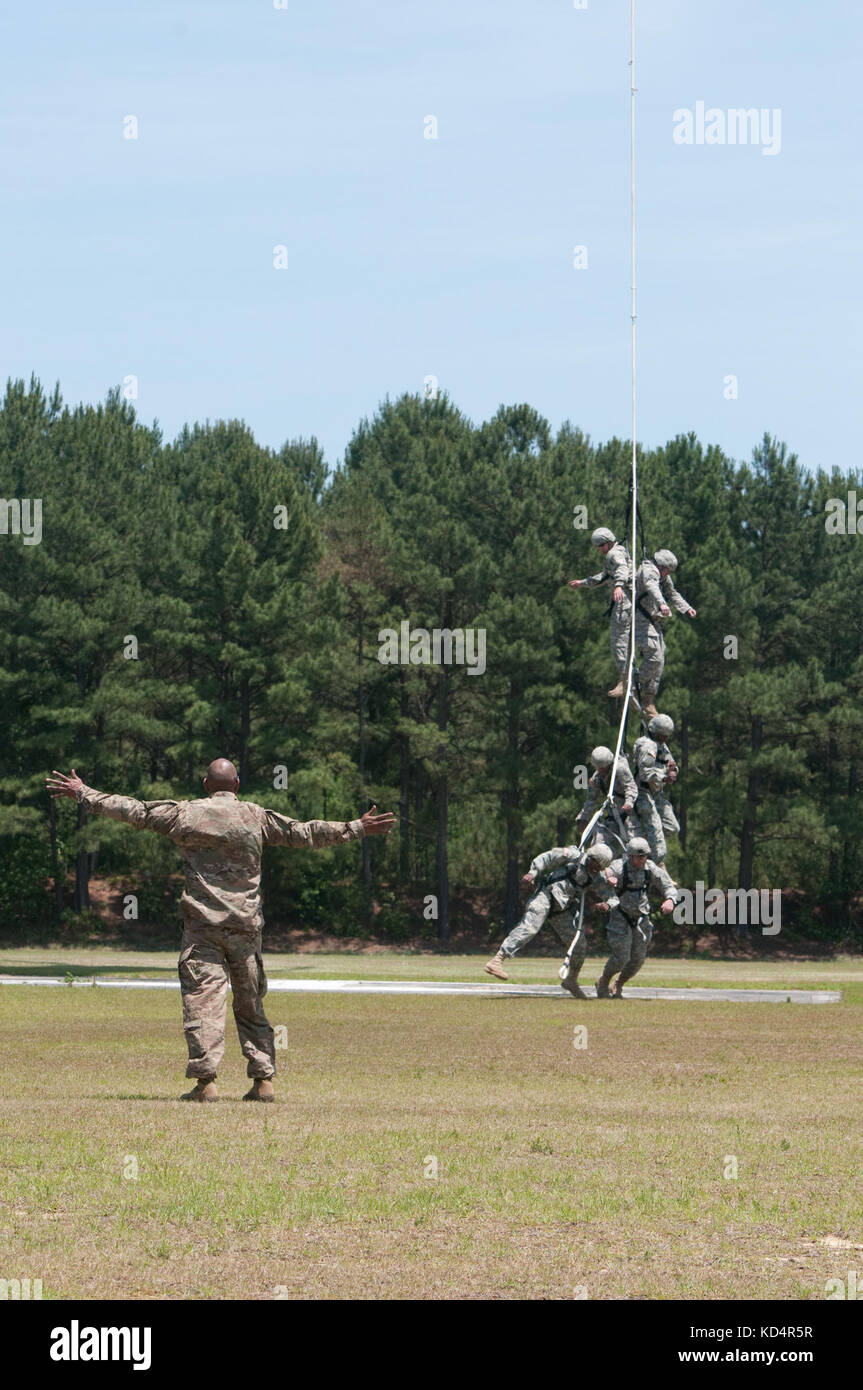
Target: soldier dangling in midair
<point>616,569</point>
<point>655,771</point>
<point>654,591</point>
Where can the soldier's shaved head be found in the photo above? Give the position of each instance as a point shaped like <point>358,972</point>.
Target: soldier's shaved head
<point>221,776</point>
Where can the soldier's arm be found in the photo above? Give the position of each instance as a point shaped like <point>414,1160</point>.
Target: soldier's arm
<point>617,566</point>
<point>615,872</point>
<point>552,858</point>
<point>677,601</point>
<point>594,580</point>
<point>590,804</point>
<point>649,769</point>
<point>650,579</point>
<point>159,816</point>
<point>662,884</point>
<point>630,790</point>
<point>311,834</point>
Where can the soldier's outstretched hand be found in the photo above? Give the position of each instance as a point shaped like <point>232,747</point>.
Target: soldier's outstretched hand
<point>59,784</point>
<point>377,825</point>
<point>528,877</point>
<point>576,583</point>
<point>690,612</point>
<point>667,906</point>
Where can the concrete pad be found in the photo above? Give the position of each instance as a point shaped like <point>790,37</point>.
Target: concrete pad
<point>481,989</point>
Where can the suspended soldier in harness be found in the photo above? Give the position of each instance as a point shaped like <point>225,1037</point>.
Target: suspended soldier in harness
<point>616,570</point>
<point>611,828</point>
<point>563,876</point>
<point>654,591</point>
<point>629,926</point>
<point>655,771</point>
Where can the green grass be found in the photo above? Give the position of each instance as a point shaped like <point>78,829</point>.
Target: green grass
<point>557,1167</point>
<point>845,973</point>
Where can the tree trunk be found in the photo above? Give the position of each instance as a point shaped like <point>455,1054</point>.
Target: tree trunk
<point>442,813</point>
<point>511,912</point>
<point>82,867</point>
<point>404,791</point>
<point>244,769</point>
<point>753,797</point>
<point>55,859</point>
<point>684,764</point>
<point>361,759</point>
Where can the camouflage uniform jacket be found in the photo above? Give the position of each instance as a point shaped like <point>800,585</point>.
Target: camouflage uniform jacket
<point>572,858</point>
<point>656,591</point>
<point>651,760</point>
<point>625,790</point>
<point>616,567</point>
<point>631,897</point>
<point>220,838</point>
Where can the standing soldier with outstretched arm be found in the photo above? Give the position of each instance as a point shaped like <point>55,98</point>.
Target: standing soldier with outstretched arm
<point>220,838</point>
<point>616,570</point>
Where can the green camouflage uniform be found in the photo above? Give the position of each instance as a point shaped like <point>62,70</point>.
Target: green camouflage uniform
<point>617,570</point>
<point>220,839</point>
<point>629,925</point>
<point>608,830</point>
<point>653,809</point>
<point>557,903</point>
<point>650,593</point>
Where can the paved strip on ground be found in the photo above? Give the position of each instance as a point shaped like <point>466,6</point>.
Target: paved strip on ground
<point>712,996</point>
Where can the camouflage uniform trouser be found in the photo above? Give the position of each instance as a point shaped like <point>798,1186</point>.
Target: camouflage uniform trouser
<point>656,820</point>
<point>542,908</point>
<point>209,957</point>
<point>620,621</point>
<point>650,645</point>
<point>628,946</point>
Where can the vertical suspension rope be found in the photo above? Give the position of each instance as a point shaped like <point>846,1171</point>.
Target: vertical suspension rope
<point>634,510</point>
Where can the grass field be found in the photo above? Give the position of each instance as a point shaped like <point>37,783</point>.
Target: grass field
<point>559,1168</point>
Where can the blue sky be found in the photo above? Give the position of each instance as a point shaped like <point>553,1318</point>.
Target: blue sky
<point>407,257</point>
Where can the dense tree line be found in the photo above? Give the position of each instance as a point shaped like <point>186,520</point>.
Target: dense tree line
<point>211,596</point>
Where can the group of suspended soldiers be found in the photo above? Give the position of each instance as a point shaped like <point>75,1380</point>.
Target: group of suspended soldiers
<point>623,866</point>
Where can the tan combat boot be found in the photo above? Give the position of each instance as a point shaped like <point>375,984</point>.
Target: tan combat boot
<point>570,983</point>
<point>618,691</point>
<point>495,967</point>
<point>649,710</point>
<point>204,1090</point>
<point>261,1090</point>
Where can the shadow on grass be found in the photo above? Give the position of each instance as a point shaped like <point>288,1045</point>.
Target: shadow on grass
<point>189,1104</point>
<point>63,968</point>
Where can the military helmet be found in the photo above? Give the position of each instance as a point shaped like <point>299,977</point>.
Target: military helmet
<point>602,536</point>
<point>637,846</point>
<point>666,559</point>
<point>602,757</point>
<point>600,854</point>
<point>661,724</point>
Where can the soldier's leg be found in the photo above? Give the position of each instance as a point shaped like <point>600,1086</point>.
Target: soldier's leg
<point>641,938</point>
<point>249,985</point>
<point>204,987</point>
<point>651,826</point>
<point>620,943</point>
<point>652,666</point>
<point>619,635</point>
<point>532,922</point>
<point>670,823</point>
